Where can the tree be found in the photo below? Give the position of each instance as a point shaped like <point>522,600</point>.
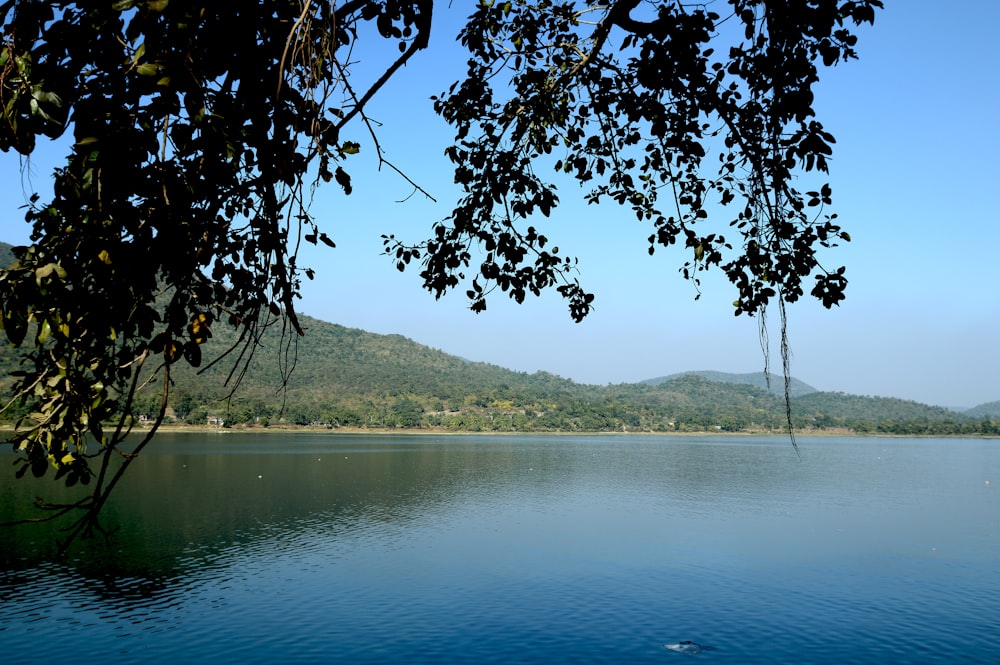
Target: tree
<point>629,101</point>
<point>199,127</point>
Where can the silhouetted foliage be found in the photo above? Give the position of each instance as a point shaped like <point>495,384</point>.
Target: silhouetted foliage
<point>635,101</point>
<point>198,127</point>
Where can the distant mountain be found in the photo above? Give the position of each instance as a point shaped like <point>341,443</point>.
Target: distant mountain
<point>349,377</point>
<point>987,410</point>
<point>857,408</point>
<point>6,256</point>
<point>352,377</point>
<point>777,387</point>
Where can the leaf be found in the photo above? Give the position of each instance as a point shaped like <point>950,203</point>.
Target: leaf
<point>39,466</point>
<point>37,110</point>
<point>44,331</point>
<point>45,273</point>
<point>172,351</point>
<point>47,97</point>
<point>192,353</point>
<point>344,180</point>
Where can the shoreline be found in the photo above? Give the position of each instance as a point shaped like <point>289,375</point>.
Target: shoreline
<point>439,431</point>
<point>182,428</point>
<point>426,431</point>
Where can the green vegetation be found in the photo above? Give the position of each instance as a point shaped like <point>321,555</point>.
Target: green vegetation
<point>6,256</point>
<point>885,415</point>
<point>770,382</point>
<point>345,377</point>
<point>987,410</point>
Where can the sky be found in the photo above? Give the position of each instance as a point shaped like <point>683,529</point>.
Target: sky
<point>914,181</point>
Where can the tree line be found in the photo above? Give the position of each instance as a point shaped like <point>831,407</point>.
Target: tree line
<point>349,378</point>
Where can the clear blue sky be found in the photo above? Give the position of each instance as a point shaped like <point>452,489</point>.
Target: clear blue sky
<point>914,176</point>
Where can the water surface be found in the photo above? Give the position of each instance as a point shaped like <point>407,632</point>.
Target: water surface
<point>316,548</point>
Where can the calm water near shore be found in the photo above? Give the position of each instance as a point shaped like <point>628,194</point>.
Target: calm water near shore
<point>319,548</point>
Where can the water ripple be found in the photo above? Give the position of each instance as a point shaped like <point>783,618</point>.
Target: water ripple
<point>554,550</point>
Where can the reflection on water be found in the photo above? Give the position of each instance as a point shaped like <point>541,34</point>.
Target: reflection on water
<point>319,548</point>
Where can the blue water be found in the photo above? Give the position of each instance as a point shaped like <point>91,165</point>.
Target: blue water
<point>363,549</point>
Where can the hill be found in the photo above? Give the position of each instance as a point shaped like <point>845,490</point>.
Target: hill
<point>6,255</point>
<point>349,377</point>
<point>987,410</point>
<point>797,388</point>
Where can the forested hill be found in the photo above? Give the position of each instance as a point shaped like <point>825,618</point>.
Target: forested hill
<point>349,377</point>
<point>772,383</point>
<point>987,410</point>
<point>6,256</point>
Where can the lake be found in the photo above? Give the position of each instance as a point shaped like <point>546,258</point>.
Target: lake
<point>324,548</point>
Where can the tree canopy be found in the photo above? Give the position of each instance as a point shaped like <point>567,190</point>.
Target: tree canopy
<point>199,129</point>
